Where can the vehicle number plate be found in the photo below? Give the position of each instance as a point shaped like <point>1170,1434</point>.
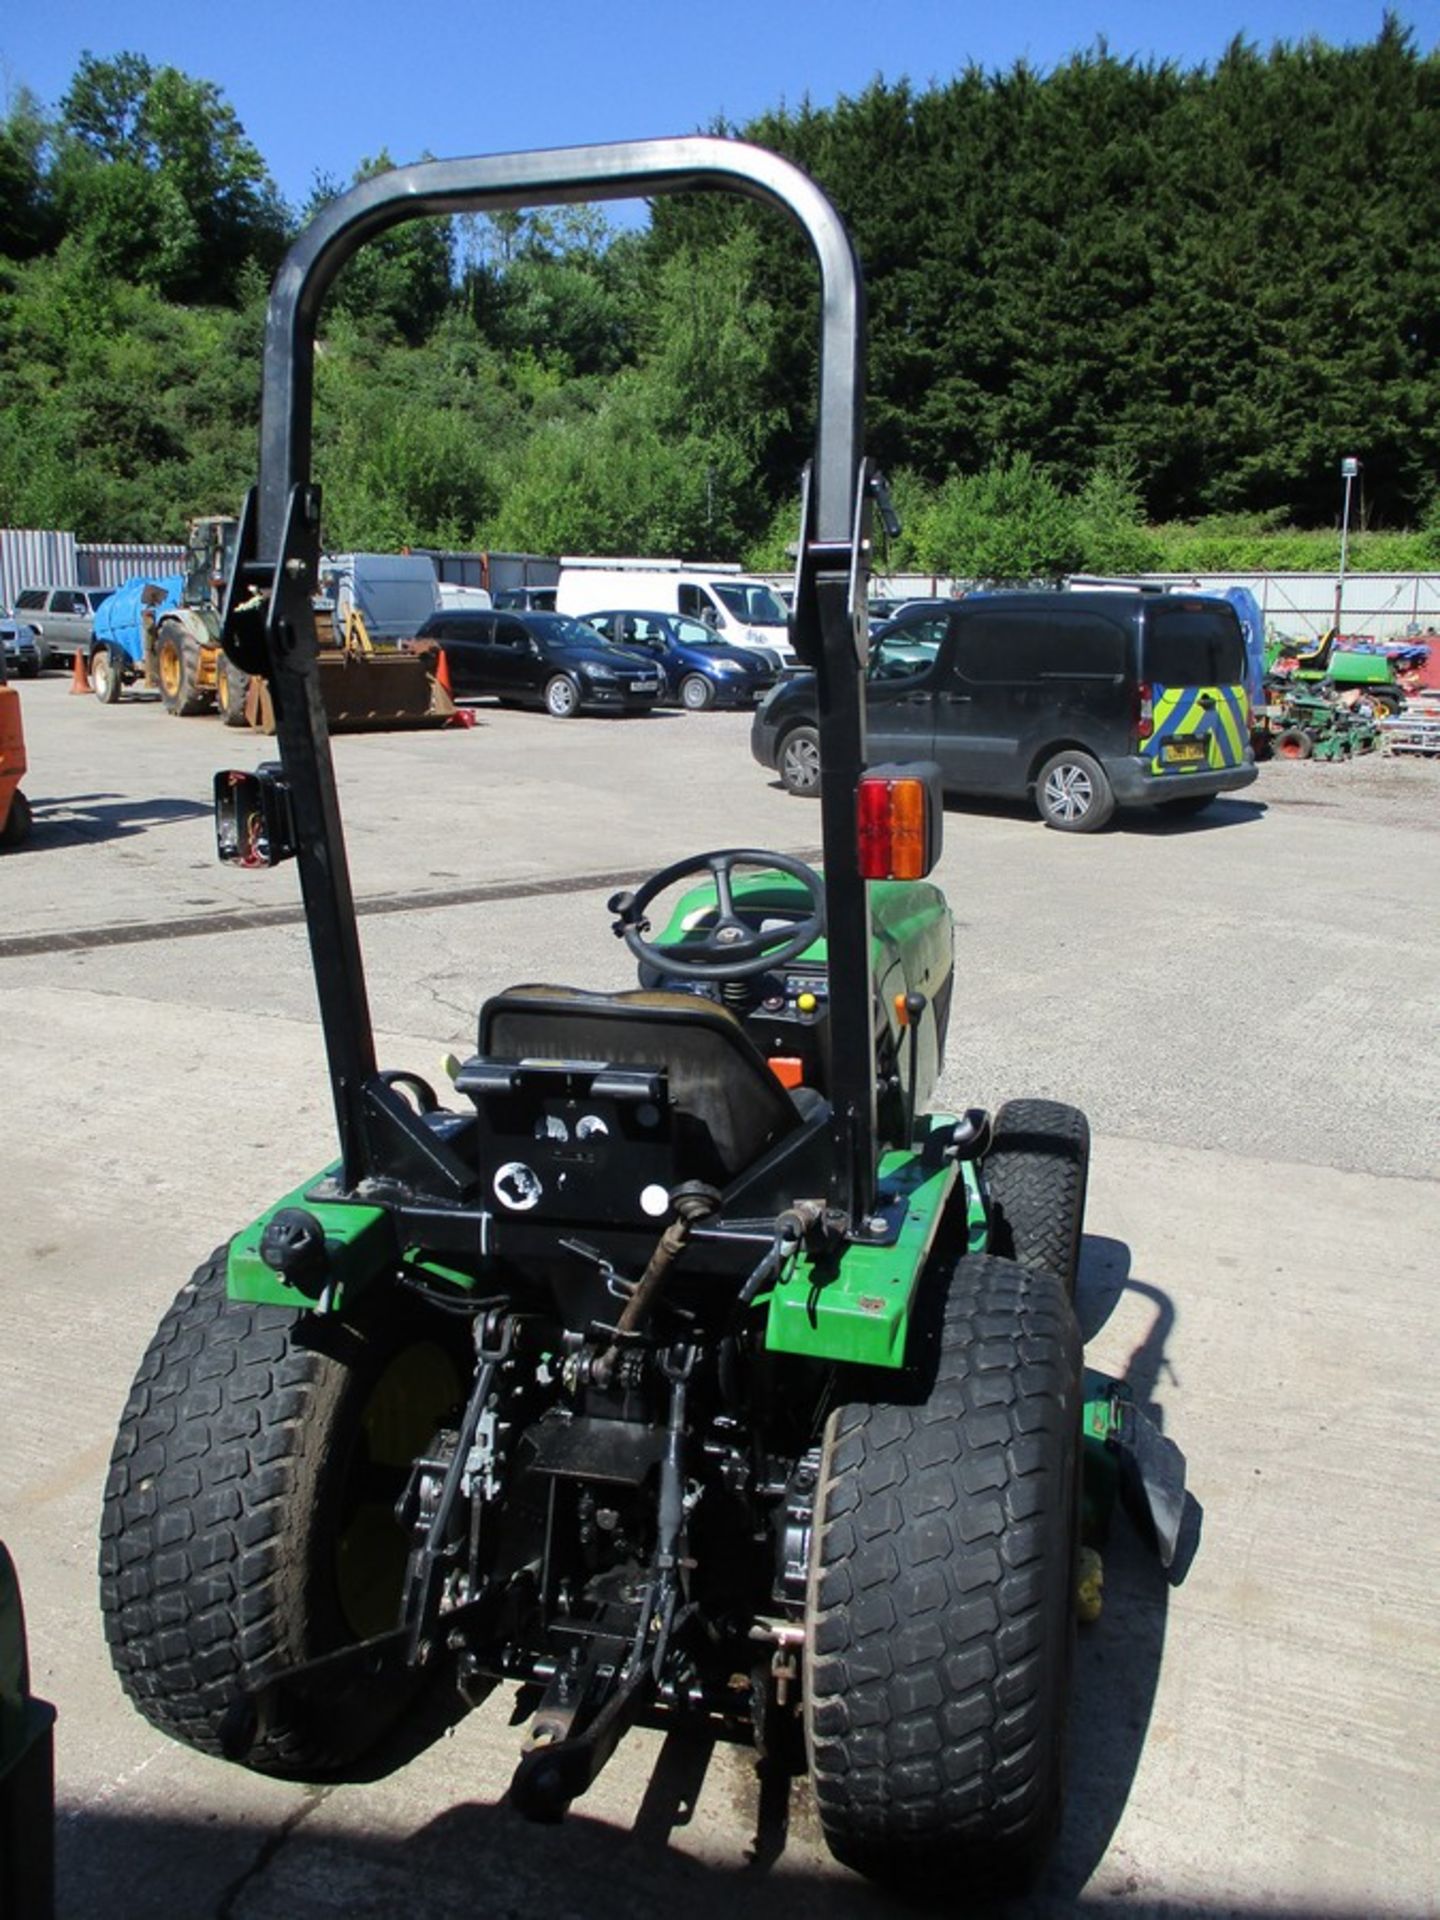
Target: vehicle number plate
<point>643,686</point>
<point>1183,753</point>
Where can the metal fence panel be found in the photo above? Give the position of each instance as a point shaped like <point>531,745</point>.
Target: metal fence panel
<point>1375,606</point>
<point>30,558</point>
<point>109,565</point>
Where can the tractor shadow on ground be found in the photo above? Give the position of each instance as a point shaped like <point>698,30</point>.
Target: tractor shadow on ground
<point>1118,1658</point>
<point>89,818</point>
<point>481,1860</point>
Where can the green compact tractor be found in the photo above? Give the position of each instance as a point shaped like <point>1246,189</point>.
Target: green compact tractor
<point>680,1363</point>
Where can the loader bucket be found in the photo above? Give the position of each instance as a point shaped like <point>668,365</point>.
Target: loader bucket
<point>367,692</point>
<point>378,690</point>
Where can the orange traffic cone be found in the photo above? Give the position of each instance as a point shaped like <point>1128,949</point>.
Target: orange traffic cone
<point>461,716</point>
<point>80,679</point>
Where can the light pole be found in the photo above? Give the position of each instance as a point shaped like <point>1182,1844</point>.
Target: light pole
<point>1349,468</point>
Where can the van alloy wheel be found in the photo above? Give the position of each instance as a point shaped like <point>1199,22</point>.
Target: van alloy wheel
<point>1073,794</point>
<point>799,765</point>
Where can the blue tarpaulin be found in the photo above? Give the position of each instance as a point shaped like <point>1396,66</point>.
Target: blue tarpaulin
<point>117,620</point>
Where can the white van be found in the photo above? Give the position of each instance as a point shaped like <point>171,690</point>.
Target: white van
<point>739,608</point>
<point>395,592</point>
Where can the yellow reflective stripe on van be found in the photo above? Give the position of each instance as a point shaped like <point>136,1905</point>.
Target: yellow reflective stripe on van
<point>1181,711</point>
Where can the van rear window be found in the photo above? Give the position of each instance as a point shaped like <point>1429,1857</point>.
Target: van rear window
<point>1193,645</point>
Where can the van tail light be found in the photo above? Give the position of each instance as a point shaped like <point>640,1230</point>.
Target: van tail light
<point>898,819</point>
<point>1144,710</point>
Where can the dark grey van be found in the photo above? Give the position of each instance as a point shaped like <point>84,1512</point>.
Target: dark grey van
<point>1083,701</point>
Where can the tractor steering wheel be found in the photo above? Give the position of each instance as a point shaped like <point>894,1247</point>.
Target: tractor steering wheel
<point>731,949</point>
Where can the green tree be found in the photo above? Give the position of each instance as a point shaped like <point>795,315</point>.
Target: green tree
<point>1008,526</point>
<point>1109,521</point>
<point>555,287</point>
<point>28,222</point>
<point>155,175</point>
<point>401,283</point>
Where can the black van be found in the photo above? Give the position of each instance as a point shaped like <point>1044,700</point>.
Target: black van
<point>1085,701</point>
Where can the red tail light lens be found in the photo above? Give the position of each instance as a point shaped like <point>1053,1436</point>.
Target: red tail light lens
<point>893,829</point>
<point>1144,710</point>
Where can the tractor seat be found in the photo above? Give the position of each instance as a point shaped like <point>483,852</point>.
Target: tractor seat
<point>727,1105</point>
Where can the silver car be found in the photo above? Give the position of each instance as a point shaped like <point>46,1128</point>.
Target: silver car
<point>22,649</point>
<point>62,618</point>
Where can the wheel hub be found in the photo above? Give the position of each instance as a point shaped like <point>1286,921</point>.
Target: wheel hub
<point>1068,793</point>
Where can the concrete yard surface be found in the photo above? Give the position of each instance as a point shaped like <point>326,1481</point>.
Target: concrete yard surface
<point>1248,1006</point>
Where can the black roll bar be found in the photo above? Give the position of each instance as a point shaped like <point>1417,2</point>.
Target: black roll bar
<point>269,624</point>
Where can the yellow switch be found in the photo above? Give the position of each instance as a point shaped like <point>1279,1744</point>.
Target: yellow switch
<point>806,1002</point>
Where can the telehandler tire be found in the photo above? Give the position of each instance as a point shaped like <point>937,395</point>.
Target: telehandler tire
<point>939,1626</point>
<point>249,1521</point>
<point>1036,1173</point>
<point>231,687</point>
<point>177,668</point>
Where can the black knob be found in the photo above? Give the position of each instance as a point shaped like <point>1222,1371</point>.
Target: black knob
<point>293,1243</point>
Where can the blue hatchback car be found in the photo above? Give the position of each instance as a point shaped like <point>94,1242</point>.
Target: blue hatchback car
<point>700,669</point>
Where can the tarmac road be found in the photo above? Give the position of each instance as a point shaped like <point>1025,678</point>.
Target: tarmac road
<point>1245,1005</point>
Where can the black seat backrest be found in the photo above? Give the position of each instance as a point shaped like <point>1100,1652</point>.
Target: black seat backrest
<point>728,1107</point>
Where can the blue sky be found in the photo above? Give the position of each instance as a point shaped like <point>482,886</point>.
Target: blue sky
<point>319,86</point>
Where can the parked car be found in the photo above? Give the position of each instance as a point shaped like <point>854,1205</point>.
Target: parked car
<point>738,607</point>
<point>540,660</point>
<point>63,619</point>
<point>699,669</point>
<point>23,656</point>
<point>1084,701</point>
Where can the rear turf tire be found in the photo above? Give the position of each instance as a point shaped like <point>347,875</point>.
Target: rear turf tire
<point>939,1626</point>
<point>248,1522</point>
<point>1036,1173</point>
